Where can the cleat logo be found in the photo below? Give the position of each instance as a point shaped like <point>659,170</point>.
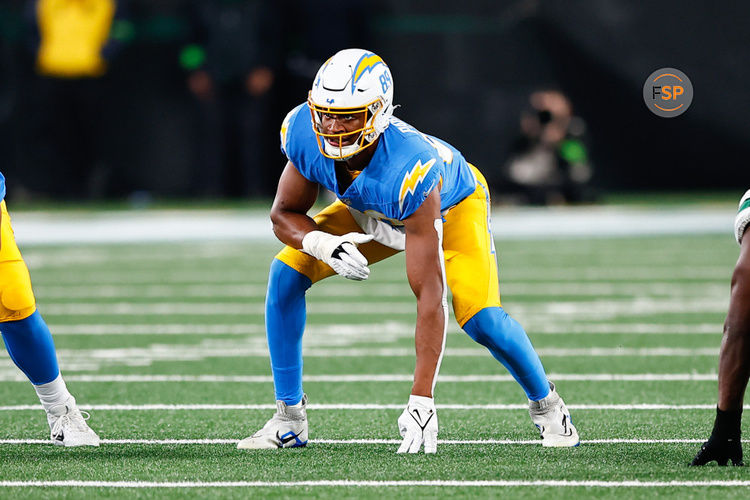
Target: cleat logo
<point>566,431</point>
<point>289,436</point>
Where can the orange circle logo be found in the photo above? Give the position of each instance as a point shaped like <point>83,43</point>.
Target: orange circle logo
<point>668,92</point>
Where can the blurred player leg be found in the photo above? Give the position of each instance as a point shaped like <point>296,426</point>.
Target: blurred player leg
<point>30,346</point>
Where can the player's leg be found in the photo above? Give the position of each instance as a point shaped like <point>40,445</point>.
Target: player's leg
<point>471,270</point>
<point>30,346</point>
<point>292,273</point>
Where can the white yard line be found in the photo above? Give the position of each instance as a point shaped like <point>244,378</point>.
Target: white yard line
<point>377,484</point>
<point>216,308</point>
<point>93,360</point>
<point>406,377</point>
<point>398,406</point>
<point>210,290</point>
<point>589,309</point>
<point>213,291</point>
<point>370,441</point>
<point>533,327</point>
<point>176,353</point>
<point>107,329</point>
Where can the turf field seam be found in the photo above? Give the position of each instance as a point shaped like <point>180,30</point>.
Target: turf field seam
<point>406,377</point>
<point>376,484</point>
<point>354,406</point>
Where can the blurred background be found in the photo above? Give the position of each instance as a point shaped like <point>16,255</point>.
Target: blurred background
<point>158,99</point>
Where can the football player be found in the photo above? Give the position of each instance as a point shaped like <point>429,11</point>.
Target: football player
<point>397,190</point>
<point>30,344</point>
<point>734,358</point>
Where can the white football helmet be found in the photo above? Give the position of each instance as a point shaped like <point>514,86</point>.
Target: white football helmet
<point>353,81</point>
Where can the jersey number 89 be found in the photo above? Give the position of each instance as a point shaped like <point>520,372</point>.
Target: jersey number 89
<point>385,81</point>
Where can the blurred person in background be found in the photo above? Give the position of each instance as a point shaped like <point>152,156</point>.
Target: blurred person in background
<point>232,70</point>
<point>725,443</point>
<point>549,163</point>
<point>72,43</point>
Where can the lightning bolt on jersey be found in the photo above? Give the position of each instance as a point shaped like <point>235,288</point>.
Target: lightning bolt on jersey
<point>406,166</point>
<point>2,186</point>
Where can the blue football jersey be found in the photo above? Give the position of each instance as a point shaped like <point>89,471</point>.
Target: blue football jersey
<point>2,186</point>
<point>406,166</point>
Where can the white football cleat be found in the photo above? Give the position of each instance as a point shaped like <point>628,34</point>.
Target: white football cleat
<point>68,425</point>
<point>553,420</point>
<point>286,429</point>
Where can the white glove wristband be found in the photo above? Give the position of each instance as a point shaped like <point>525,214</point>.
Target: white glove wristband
<point>422,401</point>
<point>311,244</point>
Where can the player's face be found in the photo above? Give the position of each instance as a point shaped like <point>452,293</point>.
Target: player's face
<point>337,123</point>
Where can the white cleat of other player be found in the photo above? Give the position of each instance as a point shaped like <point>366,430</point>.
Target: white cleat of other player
<point>286,429</point>
<point>68,425</point>
<point>552,419</point>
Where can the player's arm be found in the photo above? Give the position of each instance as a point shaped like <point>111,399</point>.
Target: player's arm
<point>294,197</point>
<point>424,270</point>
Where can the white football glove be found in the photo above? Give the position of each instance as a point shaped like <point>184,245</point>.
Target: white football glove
<point>418,424</point>
<point>339,252</point>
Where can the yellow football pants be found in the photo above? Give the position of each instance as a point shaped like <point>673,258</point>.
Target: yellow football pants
<point>16,297</point>
<point>470,264</point>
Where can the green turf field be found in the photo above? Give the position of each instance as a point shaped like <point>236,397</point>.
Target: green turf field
<point>164,344</point>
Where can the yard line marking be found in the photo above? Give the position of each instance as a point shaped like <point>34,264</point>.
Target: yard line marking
<point>176,353</point>
<point>376,484</point>
<point>538,328</point>
<point>229,329</point>
<point>371,441</point>
<point>590,309</point>
<point>218,290</point>
<point>215,308</point>
<point>354,406</point>
<point>256,379</point>
<point>99,329</point>
<point>92,360</point>
<point>520,275</point>
<point>534,327</point>
<point>50,292</point>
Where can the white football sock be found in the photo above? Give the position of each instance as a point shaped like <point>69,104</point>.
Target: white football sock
<point>52,393</point>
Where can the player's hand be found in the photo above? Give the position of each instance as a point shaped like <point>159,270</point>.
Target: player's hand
<point>721,450</point>
<point>339,252</point>
<point>418,425</point>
